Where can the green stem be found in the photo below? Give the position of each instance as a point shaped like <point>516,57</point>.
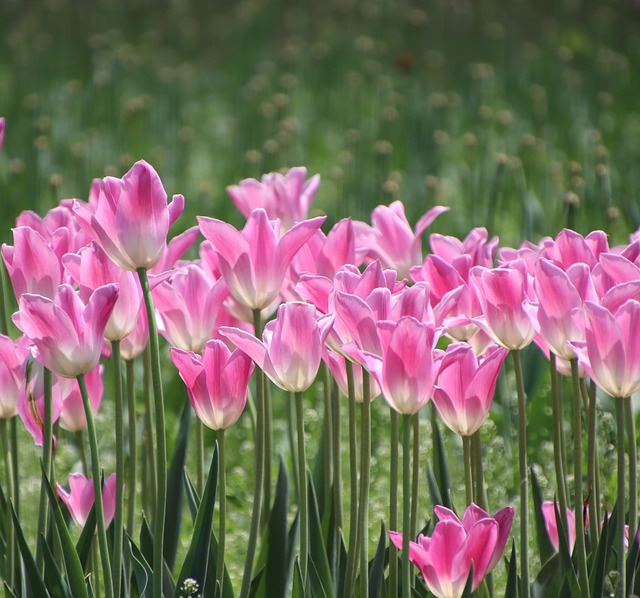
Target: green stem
<point>10,534</point>
<point>161,449</point>
<point>149,494</point>
<point>328,442</point>
<point>524,483</point>
<point>131,416</point>
<point>393,502</point>
<point>258,486</point>
<point>365,470</point>
<point>292,446</point>
<point>621,586</point>
<point>222,529</point>
<point>47,448</point>
<point>592,463</point>
<point>406,504</point>
<point>633,468</point>
<point>480,496</point>
<point>302,498</point>
<point>267,424</point>
<point>83,453</point>
<point>118,532</point>
<point>578,504</point>
<point>352,554</point>
<point>336,454</point>
<point>199,456</point>
<point>592,401</point>
<point>415,477</point>
<point>97,488</point>
<point>468,480</point>
<point>13,429</point>
<point>557,423</point>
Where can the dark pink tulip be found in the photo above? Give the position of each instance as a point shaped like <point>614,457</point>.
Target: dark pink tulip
<point>286,197</point>
<point>80,498</point>
<point>91,268</point>
<point>72,416</point>
<point>188,307</point>
<point>551,525</point>
<point>254,261</point>
<point>131,216</point>
<point>3,123</point>
<point>12,357</point>
<point>476,245</point>
<point>291,347</point>
<point>391,239</point>
<point>176,248</point>
<point>67,334</point>
<point>217,382</point>
<point>502,293</point>
<point>466,384</point>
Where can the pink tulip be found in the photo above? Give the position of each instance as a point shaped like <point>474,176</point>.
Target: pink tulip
<point>72,416</point>
<point>133,345</point>
<point>551,525</point>
<point>338,366</point>
<point>285,197</point>
<point>91,268</point>
<point>445,558</point>
<point>466,385</point>
<point>405,369</point>
<point>130,218</point>
<point>80,498</point>
<point>253,262</point>
<point>571,248</point>
<point>189,307</point>
<point>176,248</point>
<point>291,347</point>
<point>611,353</point>
<point>391,239</point>
<point>217,382</point>
<point>476,245</point>
<point>67,334</point>
<point>3,123</point>
<point>12,357</point>
<point>502,293</point>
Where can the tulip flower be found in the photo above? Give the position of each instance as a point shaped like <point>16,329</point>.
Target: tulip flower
<point>548,508</point>
<point>254,262</point>
<point>337,364</point>
<point>286,197</point>
<point>480,250</point>
<point>67,334</point>
<point>12,357</point>
<point>3,123</point>
<point>133,345</point>
<point>130,217</point>
<point>466,385</point>
<point>72,415</point>
<point>291,347</point>
<point>217,382</point>
<point>80,497</point>
<point>445,558</point>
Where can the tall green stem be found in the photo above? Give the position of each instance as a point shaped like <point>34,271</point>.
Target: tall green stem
<point>258,486</point>
<point>327,427</point>
<point>199,456</point>
<point>468,480</point>
<point>415,477</point>
<point>336,455</point>
<point>480,495</point>
<point>13,430</point>
<point>222,528</point>
<point>352,554</point>
<point>592,463</point>
<point>578,503</point>
<point>161,448</point>
<point>149,477</point>
<point>633,468</point>
<point>365,469</point>
<point>131,417</point>
<point>393,502</point>
<point>10,534</point>
<point>118,532</point>
<point>619,543</point>
<point>524,483</point>
<point>97,488</point>
<point>302,499</point>
<point>47,449</point>
<point>406,504</point>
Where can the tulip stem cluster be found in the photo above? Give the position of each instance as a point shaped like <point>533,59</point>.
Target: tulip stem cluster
<point>633,465</point>
<point>118,536</point>
<point>406,503</point>
<point>619,543</point>
<point>393,499</point>
<point>222,509</point>
<point>365,475</point>
<point>303,499</point>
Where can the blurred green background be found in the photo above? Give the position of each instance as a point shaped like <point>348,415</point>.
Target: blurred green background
<point>522,116</point>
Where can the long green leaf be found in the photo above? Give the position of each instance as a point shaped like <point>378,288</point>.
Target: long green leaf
<point>56,584</point>
<point>298,590</point>
<point>548,582</point>
<point>513,587</point>
<point>73,566</point>
<point>175,495</point>
<point>146,547</point>
<point>467,588</point>
<point>83,545</point>
<point>441,465</point>
<point>598,571</point>
<point>197,559</point>
<point>545,548</point>
<point>376,573</point>
<point>567,566</point>
<point>317,549</point>
<point>35,584</point>
<point>140,570</point>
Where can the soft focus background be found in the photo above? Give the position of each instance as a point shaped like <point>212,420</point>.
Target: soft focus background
<point>522,116</point>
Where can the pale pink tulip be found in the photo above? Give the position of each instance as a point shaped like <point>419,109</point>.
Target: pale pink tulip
<point>571,248</point>
<point>391,239</point>
<point>476,245</point>
<point>445,558</point>
<point>217,382</point>
<point>291,347</point>
<point>253,262</point>
<point>286,197</point>
<point>130,218</point>
<point>67,334</point>
<point>12,357</point>
<point>188,307</point>
<point>91,268</point>
<point>466,384</point>
<point>551,525</point>
<point>133,345</point>
<point>176,248</point>
<point>80,498</point>
<point>338,366</point>
<point>72,416</point>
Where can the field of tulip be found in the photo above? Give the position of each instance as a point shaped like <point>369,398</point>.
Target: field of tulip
<point>405,368</point>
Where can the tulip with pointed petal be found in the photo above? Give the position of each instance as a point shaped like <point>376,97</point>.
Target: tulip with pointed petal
<point>80,497</point>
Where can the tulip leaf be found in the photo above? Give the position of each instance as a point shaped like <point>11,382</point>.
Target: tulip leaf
<point>513,587</point>
<point>298,590</point>
<point>75,572</point>
<point>548,581</point>
<point>467,588</point>
<point>35,585</point>
<point>545,548</point>
<point>140,570</point>
<point>175,496</point>
<point>197,559</point>
<point>83,545</point>
<point>440,464</point>
<point>376,569</point>
<point>632,561</point>
<point>436,498</point>
<point>315,586</point>
<point>563,549</point>
<point>598,571</point>
<point>317,548</point>
<point>146,547</point>
<point>52,577</point>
